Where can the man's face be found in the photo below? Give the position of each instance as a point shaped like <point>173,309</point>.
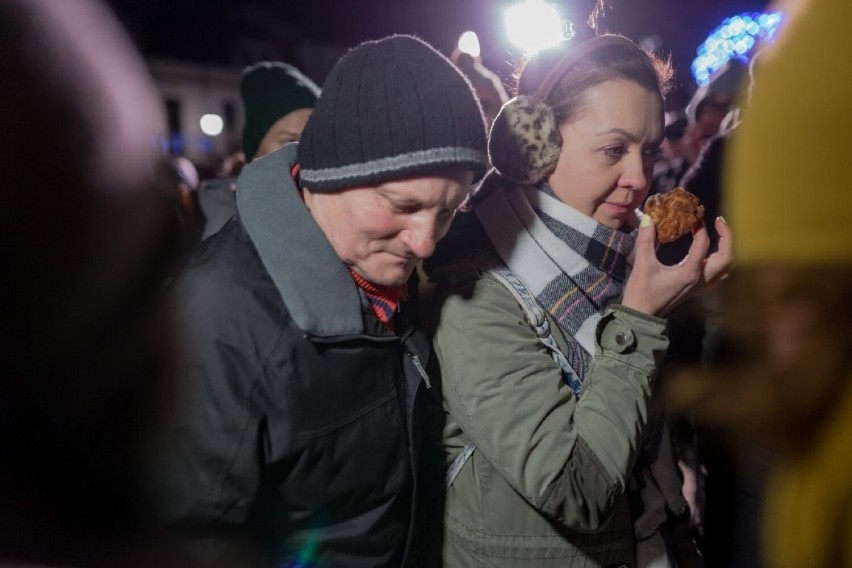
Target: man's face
<point>705,127</point>
<point>381,232</point>
<point>286,129</point>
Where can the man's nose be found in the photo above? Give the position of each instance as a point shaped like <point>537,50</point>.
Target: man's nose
<point>420,237</point>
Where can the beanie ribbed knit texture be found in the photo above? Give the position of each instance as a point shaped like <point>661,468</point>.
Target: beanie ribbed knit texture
<point>270,91</point>
<point>391,109</point>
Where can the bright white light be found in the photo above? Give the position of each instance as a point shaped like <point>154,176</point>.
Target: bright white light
<point>533,25</point>
<point>469,43</point>
<point>212,124</point>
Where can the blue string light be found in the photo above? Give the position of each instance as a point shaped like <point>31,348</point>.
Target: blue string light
<point>734,38</point>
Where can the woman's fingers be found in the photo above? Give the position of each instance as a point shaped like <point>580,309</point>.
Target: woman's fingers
<point>655,288</point>
<point>639,288</point>
<point>693,263</point>
<point>719,263</point>
<point>700,241</point>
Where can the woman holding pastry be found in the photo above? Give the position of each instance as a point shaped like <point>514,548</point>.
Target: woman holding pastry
<point>548,327</point>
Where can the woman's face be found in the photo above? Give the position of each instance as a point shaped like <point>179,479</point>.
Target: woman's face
<point>608,152</point>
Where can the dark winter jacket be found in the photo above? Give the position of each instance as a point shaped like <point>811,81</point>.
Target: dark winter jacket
<point>302,429</point>
<point>218,203</point>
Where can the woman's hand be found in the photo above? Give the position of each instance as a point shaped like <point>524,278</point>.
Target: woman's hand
<point>654,288</point>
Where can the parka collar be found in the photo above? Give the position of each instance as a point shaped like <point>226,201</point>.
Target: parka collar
<point>317,289</point>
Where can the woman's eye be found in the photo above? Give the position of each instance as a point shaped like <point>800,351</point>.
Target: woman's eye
<point>614,151</point>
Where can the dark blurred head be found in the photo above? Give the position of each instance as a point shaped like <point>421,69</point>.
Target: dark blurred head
<point>673,145</point>
<point>676,122</point>
<point>486,84</point>
<point>537,66</point>
<point>707,120</point>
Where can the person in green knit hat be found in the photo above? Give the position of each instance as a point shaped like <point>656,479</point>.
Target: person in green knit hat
<point>277,100</point>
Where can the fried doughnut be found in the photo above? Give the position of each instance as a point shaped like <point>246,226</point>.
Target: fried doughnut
<point>674,213</point>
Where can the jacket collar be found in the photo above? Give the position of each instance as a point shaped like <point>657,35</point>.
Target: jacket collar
<point>317,289</point>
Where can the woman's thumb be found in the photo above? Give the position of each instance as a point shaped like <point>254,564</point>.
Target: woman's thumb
<point>647,238</point>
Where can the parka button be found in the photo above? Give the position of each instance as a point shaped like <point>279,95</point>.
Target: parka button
<point>615,335</point>
<point>621,339</point>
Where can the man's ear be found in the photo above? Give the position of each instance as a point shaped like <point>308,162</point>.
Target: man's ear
<point>307,197</point>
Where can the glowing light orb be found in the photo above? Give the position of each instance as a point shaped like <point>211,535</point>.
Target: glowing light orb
<point>469,43</point>
<point>212,124</point>
<point>534,25</point>
<point>734,38</point>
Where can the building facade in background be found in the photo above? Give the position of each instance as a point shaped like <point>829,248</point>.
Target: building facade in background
<point>190,91</point>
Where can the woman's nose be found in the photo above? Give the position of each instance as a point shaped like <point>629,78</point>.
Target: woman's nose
<point>635,174</point>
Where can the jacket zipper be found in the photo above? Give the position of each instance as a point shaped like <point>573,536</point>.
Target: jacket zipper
<point>419,366</point>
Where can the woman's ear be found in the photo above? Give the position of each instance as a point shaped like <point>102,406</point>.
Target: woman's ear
<point>525,142</point>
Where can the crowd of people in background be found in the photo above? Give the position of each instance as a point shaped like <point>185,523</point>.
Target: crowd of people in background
<point>419,318</point>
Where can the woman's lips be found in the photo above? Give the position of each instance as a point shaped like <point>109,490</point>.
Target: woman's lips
<point>618,207</point>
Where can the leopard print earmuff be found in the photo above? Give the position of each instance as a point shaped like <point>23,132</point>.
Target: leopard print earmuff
<point>524,142</point>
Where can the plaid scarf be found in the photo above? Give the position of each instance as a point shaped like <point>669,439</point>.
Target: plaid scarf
<point>573,265</point>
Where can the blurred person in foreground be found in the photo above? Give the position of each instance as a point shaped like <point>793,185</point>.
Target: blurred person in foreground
<point>277,102</point>
<point>787,367</point>
<point>302,419</point>
<point>86,240</point>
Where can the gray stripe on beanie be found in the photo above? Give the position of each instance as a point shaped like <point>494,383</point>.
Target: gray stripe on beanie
<point>437,156</point>
<point>392,108</point>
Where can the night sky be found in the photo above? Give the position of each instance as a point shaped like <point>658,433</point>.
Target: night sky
<point>208,30</point>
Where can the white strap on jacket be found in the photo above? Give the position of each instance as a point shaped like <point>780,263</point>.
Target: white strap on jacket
<point>536,318</point>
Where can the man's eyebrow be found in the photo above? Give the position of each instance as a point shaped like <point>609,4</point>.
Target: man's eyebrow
<point>405,200</point>
<point>401,201</point>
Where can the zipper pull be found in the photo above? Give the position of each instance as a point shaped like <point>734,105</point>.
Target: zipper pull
<point>416,360</point>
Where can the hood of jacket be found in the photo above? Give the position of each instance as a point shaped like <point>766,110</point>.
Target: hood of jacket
<point>316,286</point>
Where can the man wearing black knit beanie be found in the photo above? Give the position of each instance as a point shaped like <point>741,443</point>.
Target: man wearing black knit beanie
<point>301,431</point>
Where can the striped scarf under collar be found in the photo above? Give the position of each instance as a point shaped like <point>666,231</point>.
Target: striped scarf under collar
<point>384,300</point>
<point>573,265</point>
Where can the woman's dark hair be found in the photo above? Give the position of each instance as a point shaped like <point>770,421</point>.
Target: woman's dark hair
<point>531,73</point>
<point>604,58</point>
